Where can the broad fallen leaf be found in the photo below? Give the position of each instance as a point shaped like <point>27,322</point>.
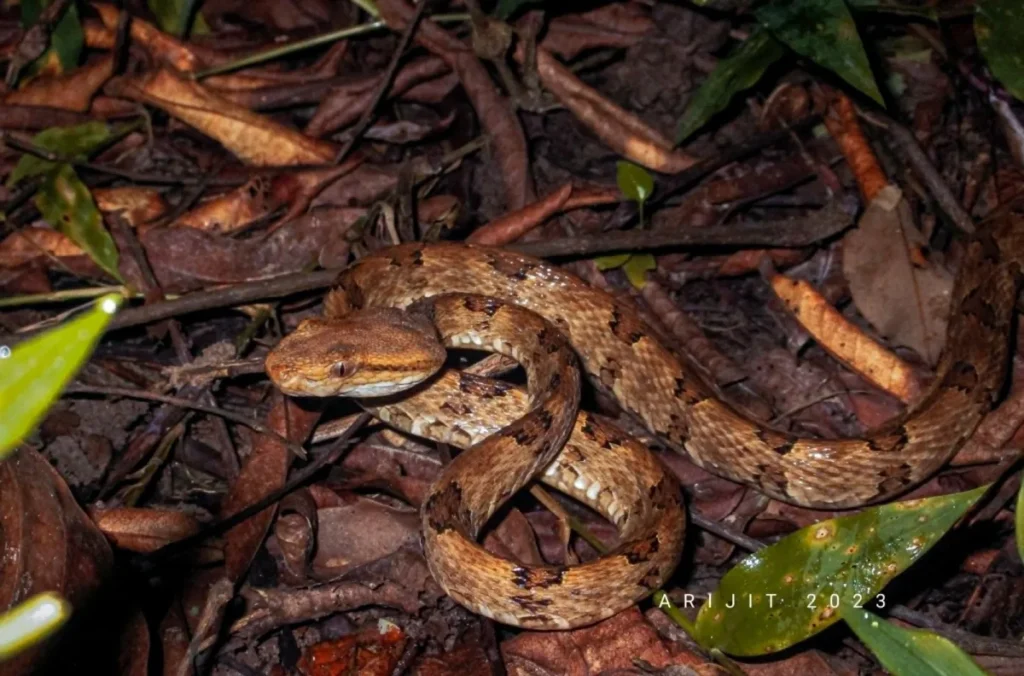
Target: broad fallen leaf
<point>907,301</point>
<point>253,138</point>
<point>797,587</point>
<point>910,652</point>
<point>68,91</point>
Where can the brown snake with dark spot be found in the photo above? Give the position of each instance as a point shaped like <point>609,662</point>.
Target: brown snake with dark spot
<point>600,465</point>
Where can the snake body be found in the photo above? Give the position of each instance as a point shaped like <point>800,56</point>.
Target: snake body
<point>599,464</point>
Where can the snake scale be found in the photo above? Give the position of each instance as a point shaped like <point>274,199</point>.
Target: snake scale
<point>366,347</point>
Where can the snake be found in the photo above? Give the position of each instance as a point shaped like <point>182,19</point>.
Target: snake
<point>382,340</point>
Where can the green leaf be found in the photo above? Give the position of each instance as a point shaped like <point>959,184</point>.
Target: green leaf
<point>506,8</point>
<point>72,143</point>
<point>66,204</point>
<point>66,38</point>
<point>30,622</point>
<point>894,7</point>
<point>832,565</point>
<point>173,16</point>
<point>738,71</point>
<point>824,32</point>
<point>634,181</point>
<point>604,263</point>
<point>34,372</point>
<point>910,652</point>
<point>1019,530</point>
<point>998,26</point>
<point>637,267</point>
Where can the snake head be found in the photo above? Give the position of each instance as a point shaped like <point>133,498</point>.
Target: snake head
<point>370,353</point>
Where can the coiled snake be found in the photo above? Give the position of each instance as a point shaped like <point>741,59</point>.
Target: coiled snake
<point>476,299</point>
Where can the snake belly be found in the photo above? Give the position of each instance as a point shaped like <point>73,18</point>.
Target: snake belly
<point>618,351</point>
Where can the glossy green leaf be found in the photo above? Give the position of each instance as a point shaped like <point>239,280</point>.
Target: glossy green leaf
<point>998,27</point>
<point>66,39</point>
<point>785,593</point>
<point>637,267</point>
<point>910,652</point>
<point>66,204</point>
<point>738,71</point>
<point>33,373</point>
<point>1019,530</point>
<point>824,32</point>
<point>604,263</point>
<point>30,622</point>
<point>73,143</point>
<point>173,16</point>
<point>634,181</point>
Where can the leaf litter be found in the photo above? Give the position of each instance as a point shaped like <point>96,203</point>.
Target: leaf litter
<point>136,171</point>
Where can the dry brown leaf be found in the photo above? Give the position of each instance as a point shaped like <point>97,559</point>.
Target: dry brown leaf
<point>263,473</point>
<point>906,301</point>
<point>468,659</point>
<point>49,544</point>
<point>70,91</point>
<point>515,224</point>
<point>136,204</point>
<point>253,138</point>
<point>360,531</point>
<point>233,210</point>
<point>33,242</point>
<point>161,46</point>
<point>605,647</point>
<point>622,131</point>
<point>845,341</point>
<point>144,530</point>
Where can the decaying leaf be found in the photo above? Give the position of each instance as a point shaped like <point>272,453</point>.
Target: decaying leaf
<point>905,299</point>
<point>253,138</point>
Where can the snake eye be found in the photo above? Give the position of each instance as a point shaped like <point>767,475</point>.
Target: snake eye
<point>341,369</point>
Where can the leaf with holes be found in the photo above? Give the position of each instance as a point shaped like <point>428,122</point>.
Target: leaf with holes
<point>792,590</point>
<point>34,372</point>
<point>71,143</point>
<point>910,652</point>
<point>824,32</point>
<point>66,204</point>
<point>998,26</point>
<point>738,71</point>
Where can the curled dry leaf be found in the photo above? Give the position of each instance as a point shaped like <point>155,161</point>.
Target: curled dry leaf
<point>615,25</point>
<point>345,103</point>
<point>232,211</point>
<point>144,530</point>
<point>894,287</point>
<point>69,91</point>
<point>515,224</point>
<point>846,130</point>
<point>263,473</point>
<point>359,531</point>
<point>161,47</point>
<point>844,340</point>
<point>49,544</point>
<point>32,242</point>
<point>624,132</point>
<point>253,138</point>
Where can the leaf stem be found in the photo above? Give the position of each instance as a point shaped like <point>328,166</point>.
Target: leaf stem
<point>315,41</point>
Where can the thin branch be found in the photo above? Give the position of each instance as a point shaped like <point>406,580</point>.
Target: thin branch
<point>385,82</point>
<point>180,402</point>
